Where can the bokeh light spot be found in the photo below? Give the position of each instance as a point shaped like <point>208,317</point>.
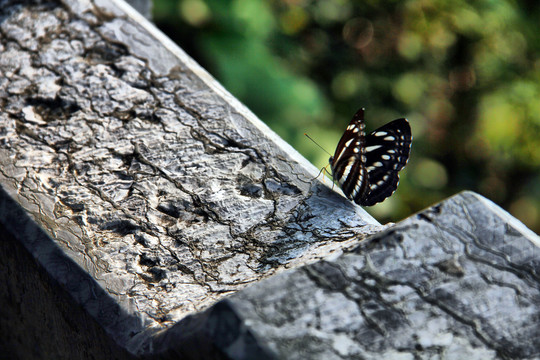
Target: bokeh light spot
<point>409,88</point>
<point>410,46</point>
<point>429,174</point>
<point>358,32</point>
<point>293,20</point>
<point>194,12</point>
<point>348,83</point>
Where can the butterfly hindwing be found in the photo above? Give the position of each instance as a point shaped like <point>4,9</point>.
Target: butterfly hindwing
<point>387,152</point>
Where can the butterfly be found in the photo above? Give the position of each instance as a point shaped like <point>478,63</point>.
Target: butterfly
<point>366,167</point>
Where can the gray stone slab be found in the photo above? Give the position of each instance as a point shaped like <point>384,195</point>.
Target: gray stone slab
<point>140,187</point>
<point>459,280</point>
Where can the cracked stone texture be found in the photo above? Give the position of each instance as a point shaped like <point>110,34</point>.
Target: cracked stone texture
<point>155,192</point>
<point>460,280</point>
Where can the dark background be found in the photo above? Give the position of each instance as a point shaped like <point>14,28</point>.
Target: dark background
<point>466,74</point>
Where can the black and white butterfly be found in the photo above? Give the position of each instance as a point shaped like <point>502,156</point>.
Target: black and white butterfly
<point>366,167</point>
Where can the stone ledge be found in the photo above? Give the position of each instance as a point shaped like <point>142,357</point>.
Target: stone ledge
<point>459,280</point>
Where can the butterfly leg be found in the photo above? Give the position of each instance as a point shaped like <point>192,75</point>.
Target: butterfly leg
<point>320,172</point>
<point>333,182</point>
<point>325,170</point>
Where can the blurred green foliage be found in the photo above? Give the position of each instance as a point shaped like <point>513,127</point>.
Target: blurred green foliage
<point>465,73</point>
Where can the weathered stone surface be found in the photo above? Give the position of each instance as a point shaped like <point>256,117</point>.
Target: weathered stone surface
<point>460,280</point>
<point>154,191</point>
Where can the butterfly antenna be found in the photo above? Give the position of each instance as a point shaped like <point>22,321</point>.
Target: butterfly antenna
<point>324,170</point>
<point>309,137</point>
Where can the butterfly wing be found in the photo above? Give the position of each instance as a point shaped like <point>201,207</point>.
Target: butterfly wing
<point>348,162</point>
<point>387,151</point>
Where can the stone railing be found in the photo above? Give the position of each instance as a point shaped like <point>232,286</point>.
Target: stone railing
<point>146,213</point>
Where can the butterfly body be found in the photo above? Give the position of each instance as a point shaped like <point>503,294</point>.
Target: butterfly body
<point>366,167</point>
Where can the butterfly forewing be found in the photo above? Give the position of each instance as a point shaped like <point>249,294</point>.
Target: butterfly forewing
<point>355,132</point>
<point>366,167</point>
<point>348,161</point>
